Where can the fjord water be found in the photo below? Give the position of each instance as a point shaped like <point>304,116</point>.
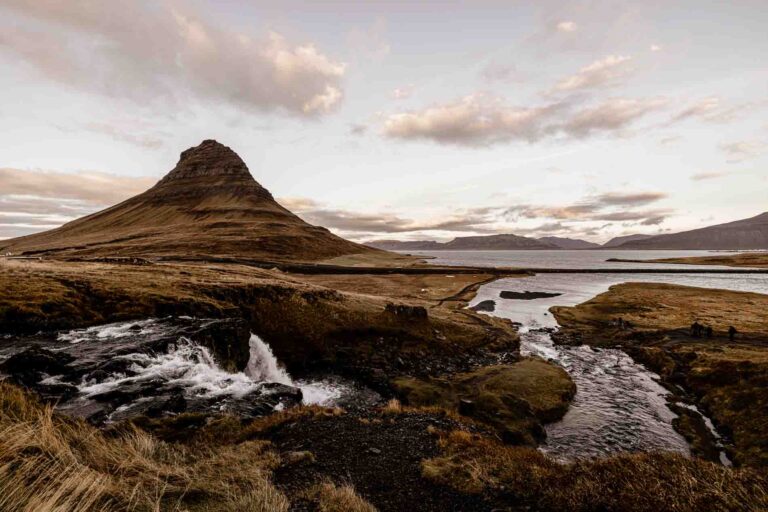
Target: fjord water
<point>588,259</point>
<point>619,405</point>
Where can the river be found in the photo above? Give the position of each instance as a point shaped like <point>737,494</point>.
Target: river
<point>619,405</point>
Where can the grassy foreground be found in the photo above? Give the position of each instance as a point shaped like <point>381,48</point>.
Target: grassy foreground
<point>644,482</point>
<point>728,379</point>
<point>52,463</point>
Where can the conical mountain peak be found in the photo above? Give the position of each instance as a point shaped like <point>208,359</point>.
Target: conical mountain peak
<point>209,205</point>
<point>209,159</point>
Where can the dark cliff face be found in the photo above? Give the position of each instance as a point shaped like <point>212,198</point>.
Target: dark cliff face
<point>207,169</point>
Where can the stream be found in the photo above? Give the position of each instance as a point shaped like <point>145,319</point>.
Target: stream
<point>619,404</point>
<point>158,366</point>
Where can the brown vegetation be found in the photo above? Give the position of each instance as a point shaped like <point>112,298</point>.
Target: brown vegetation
<point>728,379</point>
<point>515,398</point>
<point>50,463</point>
<point>752,259</point>
<point>646,482</point>
<point>304,323</point>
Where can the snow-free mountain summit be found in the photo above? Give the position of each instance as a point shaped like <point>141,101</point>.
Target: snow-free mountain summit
<point>209,205</point>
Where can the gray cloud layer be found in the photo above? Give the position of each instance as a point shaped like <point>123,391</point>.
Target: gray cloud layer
<point>32,201</point>
<point>149,50</point>
<point>627,208</point>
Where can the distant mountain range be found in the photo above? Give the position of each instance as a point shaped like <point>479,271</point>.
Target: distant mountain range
<point>466,243</point>
<point>744,234</point>
<point>569,243</point>
<point>619,240</point>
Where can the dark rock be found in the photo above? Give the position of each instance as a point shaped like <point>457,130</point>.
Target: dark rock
<point>228,340</point>
<point>486,305</point>
<point>466,407</point>
<point>526,295</point>
<point>130,392</point>
<point>56,392</point>
<point>32,365</point>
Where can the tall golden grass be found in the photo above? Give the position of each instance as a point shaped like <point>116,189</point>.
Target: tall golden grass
<point>640,482</point>
<point>49,463</point>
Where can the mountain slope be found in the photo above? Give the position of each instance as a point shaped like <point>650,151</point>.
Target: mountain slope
<point>749,233</point>
<point>568,243</point>
<point>496,242</point>
<point>617,241</point>
<point>208,205</point>
<point>466,243</point>
<point>399,245</point>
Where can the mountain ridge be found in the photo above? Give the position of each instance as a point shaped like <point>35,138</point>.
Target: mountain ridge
<point>466,243</point>
<point>743,234</point>
<point>208,205</point>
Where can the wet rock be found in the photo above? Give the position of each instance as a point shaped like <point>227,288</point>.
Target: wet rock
<point>130,392</point>
<point>55,393</point>
<point>484,306</point>
<point>31,366</point>
<point>263,401</point>
<point>526,295</point>
<point>228,340</point>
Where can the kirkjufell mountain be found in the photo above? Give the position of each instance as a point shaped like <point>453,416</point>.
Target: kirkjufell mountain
<point>209,205</point>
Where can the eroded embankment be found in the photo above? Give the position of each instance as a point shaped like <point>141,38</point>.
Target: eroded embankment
<point>727,379</point>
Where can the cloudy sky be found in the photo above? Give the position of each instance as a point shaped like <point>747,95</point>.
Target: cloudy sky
<point>394,119</point>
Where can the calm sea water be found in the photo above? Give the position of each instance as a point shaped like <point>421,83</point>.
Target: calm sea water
<point>560,259</point>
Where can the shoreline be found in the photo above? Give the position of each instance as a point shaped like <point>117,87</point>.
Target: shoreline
<point>710,374</point>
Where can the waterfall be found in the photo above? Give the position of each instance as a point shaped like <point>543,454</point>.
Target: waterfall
<point>263,365</point>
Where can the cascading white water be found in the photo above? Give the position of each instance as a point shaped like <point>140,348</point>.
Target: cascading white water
<point>193,368</point>
<point>263,365</point>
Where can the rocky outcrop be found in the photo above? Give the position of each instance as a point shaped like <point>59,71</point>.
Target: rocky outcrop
<point>526,295</point>
<point>515,399</point>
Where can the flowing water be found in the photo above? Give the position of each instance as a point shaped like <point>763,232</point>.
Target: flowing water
<point>619,405</point>
<point>124,368</point>
<point>592,258</point>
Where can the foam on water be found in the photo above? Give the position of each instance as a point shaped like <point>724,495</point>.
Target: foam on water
<point>186,364</point>
<point>263,365</point>
<point>110,331</point>
<point>193,368</point>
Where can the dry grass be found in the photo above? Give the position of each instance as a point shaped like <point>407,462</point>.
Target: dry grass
<point>630,482</point>
<point>330,497</point>
<point>50,463</point>
<point>751,259</point>
<point>513,398</point>
<point>729,379</point>
<point>655,306</point>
